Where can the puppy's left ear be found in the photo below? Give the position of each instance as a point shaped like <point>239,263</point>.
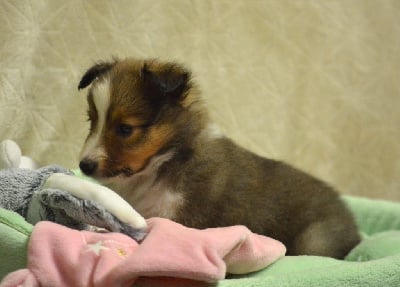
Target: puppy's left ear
<point>94,72</point>
<point>170,82</point>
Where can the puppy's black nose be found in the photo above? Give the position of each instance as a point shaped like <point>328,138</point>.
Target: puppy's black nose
<point>88,166</point>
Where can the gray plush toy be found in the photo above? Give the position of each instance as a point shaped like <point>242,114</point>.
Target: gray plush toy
<point>55,194</point>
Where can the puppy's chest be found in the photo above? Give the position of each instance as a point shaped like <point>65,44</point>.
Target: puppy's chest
<point>154,200</point>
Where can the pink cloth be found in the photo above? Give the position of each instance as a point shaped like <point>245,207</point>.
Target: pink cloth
<point>59,256</point>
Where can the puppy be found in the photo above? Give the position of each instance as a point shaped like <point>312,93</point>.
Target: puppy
<point>152,142</point>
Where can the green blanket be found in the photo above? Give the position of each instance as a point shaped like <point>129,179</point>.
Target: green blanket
<point>374,262</point>
<point>14,237</point>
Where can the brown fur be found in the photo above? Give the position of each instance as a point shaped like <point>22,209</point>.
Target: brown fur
<point>221,183</point>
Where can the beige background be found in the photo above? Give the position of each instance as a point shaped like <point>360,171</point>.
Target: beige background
<point>315,83</point>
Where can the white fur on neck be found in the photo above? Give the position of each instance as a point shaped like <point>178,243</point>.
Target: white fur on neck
<point>147,195</point>
<point>211,132</point>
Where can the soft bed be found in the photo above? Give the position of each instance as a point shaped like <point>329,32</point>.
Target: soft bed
<point>374,262</point>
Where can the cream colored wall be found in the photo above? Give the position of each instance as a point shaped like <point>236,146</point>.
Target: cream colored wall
<point>315,83</point>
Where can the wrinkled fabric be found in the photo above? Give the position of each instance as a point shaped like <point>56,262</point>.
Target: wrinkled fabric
<point>59,256</point>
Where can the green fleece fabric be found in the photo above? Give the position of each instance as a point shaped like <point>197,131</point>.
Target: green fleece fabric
<point>382,268</point>
<point>374,262</point>
<point>14,237</point>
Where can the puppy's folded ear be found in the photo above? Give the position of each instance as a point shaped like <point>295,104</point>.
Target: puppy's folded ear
<point>93,73</point>
<point>169,82</point>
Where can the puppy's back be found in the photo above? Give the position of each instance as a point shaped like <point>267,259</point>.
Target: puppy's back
<point>225,184</point>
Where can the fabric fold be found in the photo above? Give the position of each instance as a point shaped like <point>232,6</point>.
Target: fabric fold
<point>60,256</point>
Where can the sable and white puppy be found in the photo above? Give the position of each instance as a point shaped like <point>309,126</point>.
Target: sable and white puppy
<point>151,141</point>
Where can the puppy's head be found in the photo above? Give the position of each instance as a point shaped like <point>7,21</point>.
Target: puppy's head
<point>136,111</point>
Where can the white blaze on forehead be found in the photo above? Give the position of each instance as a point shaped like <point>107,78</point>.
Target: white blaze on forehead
<point>93,148</point>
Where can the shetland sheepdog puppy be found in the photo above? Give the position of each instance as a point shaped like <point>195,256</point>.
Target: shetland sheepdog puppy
<point>151,140</point>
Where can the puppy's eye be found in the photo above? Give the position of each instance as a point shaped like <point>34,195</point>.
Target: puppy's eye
<point>124,130</point>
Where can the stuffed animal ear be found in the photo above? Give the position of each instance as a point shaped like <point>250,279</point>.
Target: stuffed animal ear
<point>10,154</point>
<point>104,196</point>
<point>93,73</point>
<point>168,82</point>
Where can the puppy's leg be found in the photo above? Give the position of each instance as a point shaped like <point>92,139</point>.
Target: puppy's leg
<point>330,237</point>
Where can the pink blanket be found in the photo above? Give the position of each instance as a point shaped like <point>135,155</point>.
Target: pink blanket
<point>59,256</point>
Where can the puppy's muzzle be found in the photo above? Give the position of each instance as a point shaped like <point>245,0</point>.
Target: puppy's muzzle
<point>88,166</point>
